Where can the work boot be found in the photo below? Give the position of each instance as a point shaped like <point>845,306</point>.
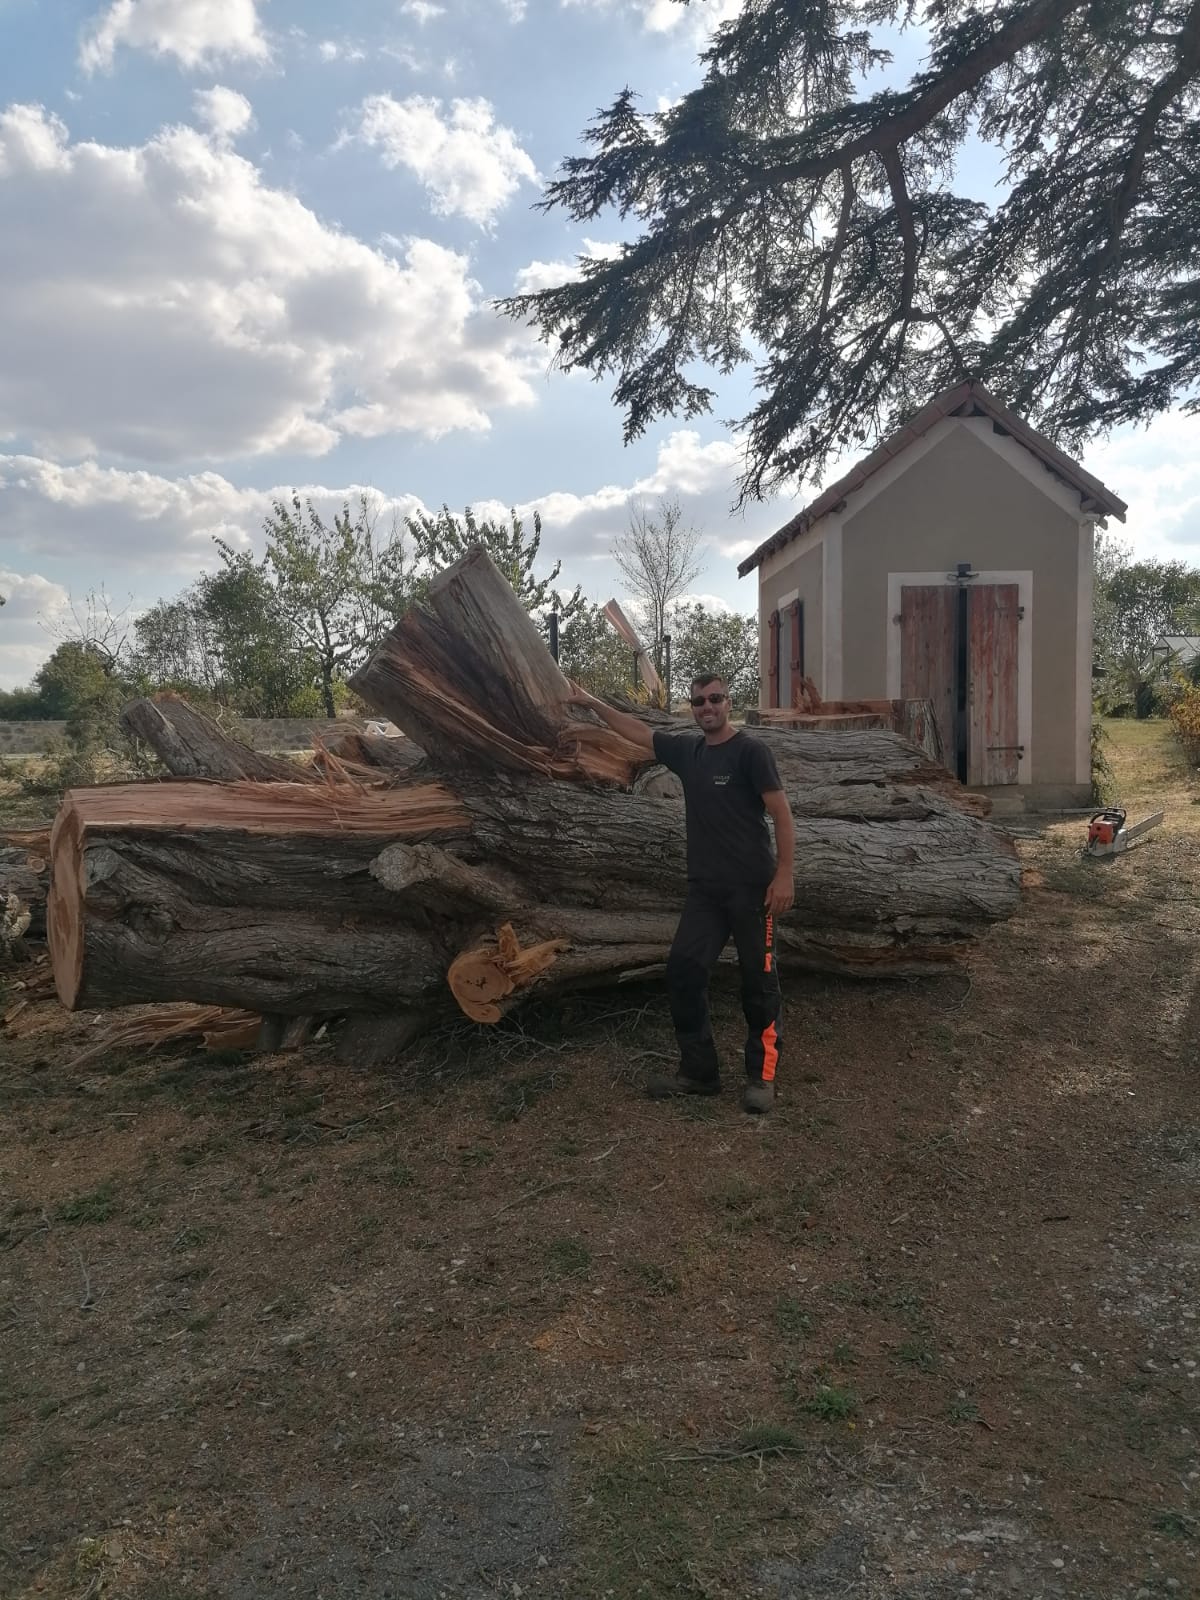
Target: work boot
<point>759,1097</point>
<point>667,1085</point>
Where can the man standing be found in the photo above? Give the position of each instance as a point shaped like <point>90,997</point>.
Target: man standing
<point>735,886</point>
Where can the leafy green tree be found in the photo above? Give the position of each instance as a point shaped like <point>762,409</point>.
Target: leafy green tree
<point>1136,603</point>
<point>439,541</point>
<point>323,594</point>
<point>77,684</point>
<point>315,573</point>
<point>21,705</point>
<point>260,672</point>
<point>706,640</point>
<point>173,646</point>
<point>590,652</point>
<point>782,219</point>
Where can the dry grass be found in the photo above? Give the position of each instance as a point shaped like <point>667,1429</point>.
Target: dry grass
<point>493,1320</point>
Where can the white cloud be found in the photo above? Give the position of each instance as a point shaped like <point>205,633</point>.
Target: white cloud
<point>539,275</point>
<point>32,602</point>
<point>1156,470</point>
<point>213,316</point>
<point>580,528</point>
<point>103,517</point>
<point>421,11</point>
<point>29,596</point>
<point>195,32</point>
<point>470,165</point>
<point>340,50</point>
<point>225,111</point>
<point>696,22</point>
<point>710,602</point>
<point>144,531</point>
<point>514,10</point>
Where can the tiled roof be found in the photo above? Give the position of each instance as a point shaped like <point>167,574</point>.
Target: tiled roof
<point>968,399</point>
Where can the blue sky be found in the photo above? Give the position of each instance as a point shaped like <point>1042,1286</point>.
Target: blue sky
<point>251,244</point>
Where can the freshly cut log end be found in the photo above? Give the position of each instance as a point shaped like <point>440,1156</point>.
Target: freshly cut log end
<point>64,907</point>
<point>480,978</point>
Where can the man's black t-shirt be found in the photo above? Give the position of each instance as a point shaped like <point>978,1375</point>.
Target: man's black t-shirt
<point>728,843</point>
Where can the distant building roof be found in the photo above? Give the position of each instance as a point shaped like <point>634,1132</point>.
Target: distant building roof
<point>1184,645</point>
<point>967,399</point>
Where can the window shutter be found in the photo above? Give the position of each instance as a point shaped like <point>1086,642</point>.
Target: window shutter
<point>796,617</point>
<point>773,659</point>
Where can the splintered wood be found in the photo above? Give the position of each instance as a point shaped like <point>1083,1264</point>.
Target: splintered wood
<point>217,1028</point>
<point>528,850</point>
<point>480,978</point>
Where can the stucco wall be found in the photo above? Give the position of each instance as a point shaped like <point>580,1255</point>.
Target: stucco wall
<point>794,569</point>
<point>962,502</point>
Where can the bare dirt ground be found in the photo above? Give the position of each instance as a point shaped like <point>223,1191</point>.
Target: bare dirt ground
<point>492,1324</point>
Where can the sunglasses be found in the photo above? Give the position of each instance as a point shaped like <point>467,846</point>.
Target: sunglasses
<point>711,699</point>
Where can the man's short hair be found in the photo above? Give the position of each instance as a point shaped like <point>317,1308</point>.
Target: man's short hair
<point>703,680</point>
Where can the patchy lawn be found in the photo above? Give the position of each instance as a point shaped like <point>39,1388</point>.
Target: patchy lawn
<point>492,1324</point>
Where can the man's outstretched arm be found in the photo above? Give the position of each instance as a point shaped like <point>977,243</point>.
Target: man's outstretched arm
<point>631,728</point>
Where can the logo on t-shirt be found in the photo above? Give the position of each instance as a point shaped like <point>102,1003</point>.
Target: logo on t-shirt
<point>720,779</point>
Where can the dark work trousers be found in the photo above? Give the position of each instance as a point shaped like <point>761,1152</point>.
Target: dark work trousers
<point>710,915</point>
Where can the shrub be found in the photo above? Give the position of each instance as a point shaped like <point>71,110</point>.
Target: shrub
<point>1104,782</point>
<point>1184,713</point>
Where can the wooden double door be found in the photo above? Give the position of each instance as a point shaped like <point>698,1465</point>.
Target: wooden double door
<point>959,648</point>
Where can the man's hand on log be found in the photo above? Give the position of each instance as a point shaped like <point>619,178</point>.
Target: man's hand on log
<point>780,895</point>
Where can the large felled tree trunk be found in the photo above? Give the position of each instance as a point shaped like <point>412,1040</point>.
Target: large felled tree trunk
<point>289,898</point>
<point>536,852</point>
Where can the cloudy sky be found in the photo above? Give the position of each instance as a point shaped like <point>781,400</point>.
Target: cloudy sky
<point>250,245</point>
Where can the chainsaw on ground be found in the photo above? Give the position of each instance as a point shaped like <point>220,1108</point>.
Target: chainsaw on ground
<point>1108,835</point>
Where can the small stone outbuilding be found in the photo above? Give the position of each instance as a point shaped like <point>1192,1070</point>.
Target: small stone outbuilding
<point>955,564</point>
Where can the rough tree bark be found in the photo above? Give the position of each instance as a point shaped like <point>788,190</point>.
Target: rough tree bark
<point>27,875</point>
<point>531,855</point>
<point>191,745</point>
<point>254,895</point>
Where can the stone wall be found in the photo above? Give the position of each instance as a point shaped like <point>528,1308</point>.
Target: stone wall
<point>275,735</point>
<point>29,738</point>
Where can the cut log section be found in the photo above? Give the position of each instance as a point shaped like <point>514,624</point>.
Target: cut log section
<point>250,894</point>
<point>915,720</point>
<point>469,679</point>
<point>26,876</point>
<point>479,979</point>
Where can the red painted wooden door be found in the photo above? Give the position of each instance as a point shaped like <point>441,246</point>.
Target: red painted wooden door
<point>927,616</point>
<point>993,624</point>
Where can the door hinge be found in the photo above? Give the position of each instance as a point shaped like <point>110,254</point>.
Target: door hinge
<point>995,748</point>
